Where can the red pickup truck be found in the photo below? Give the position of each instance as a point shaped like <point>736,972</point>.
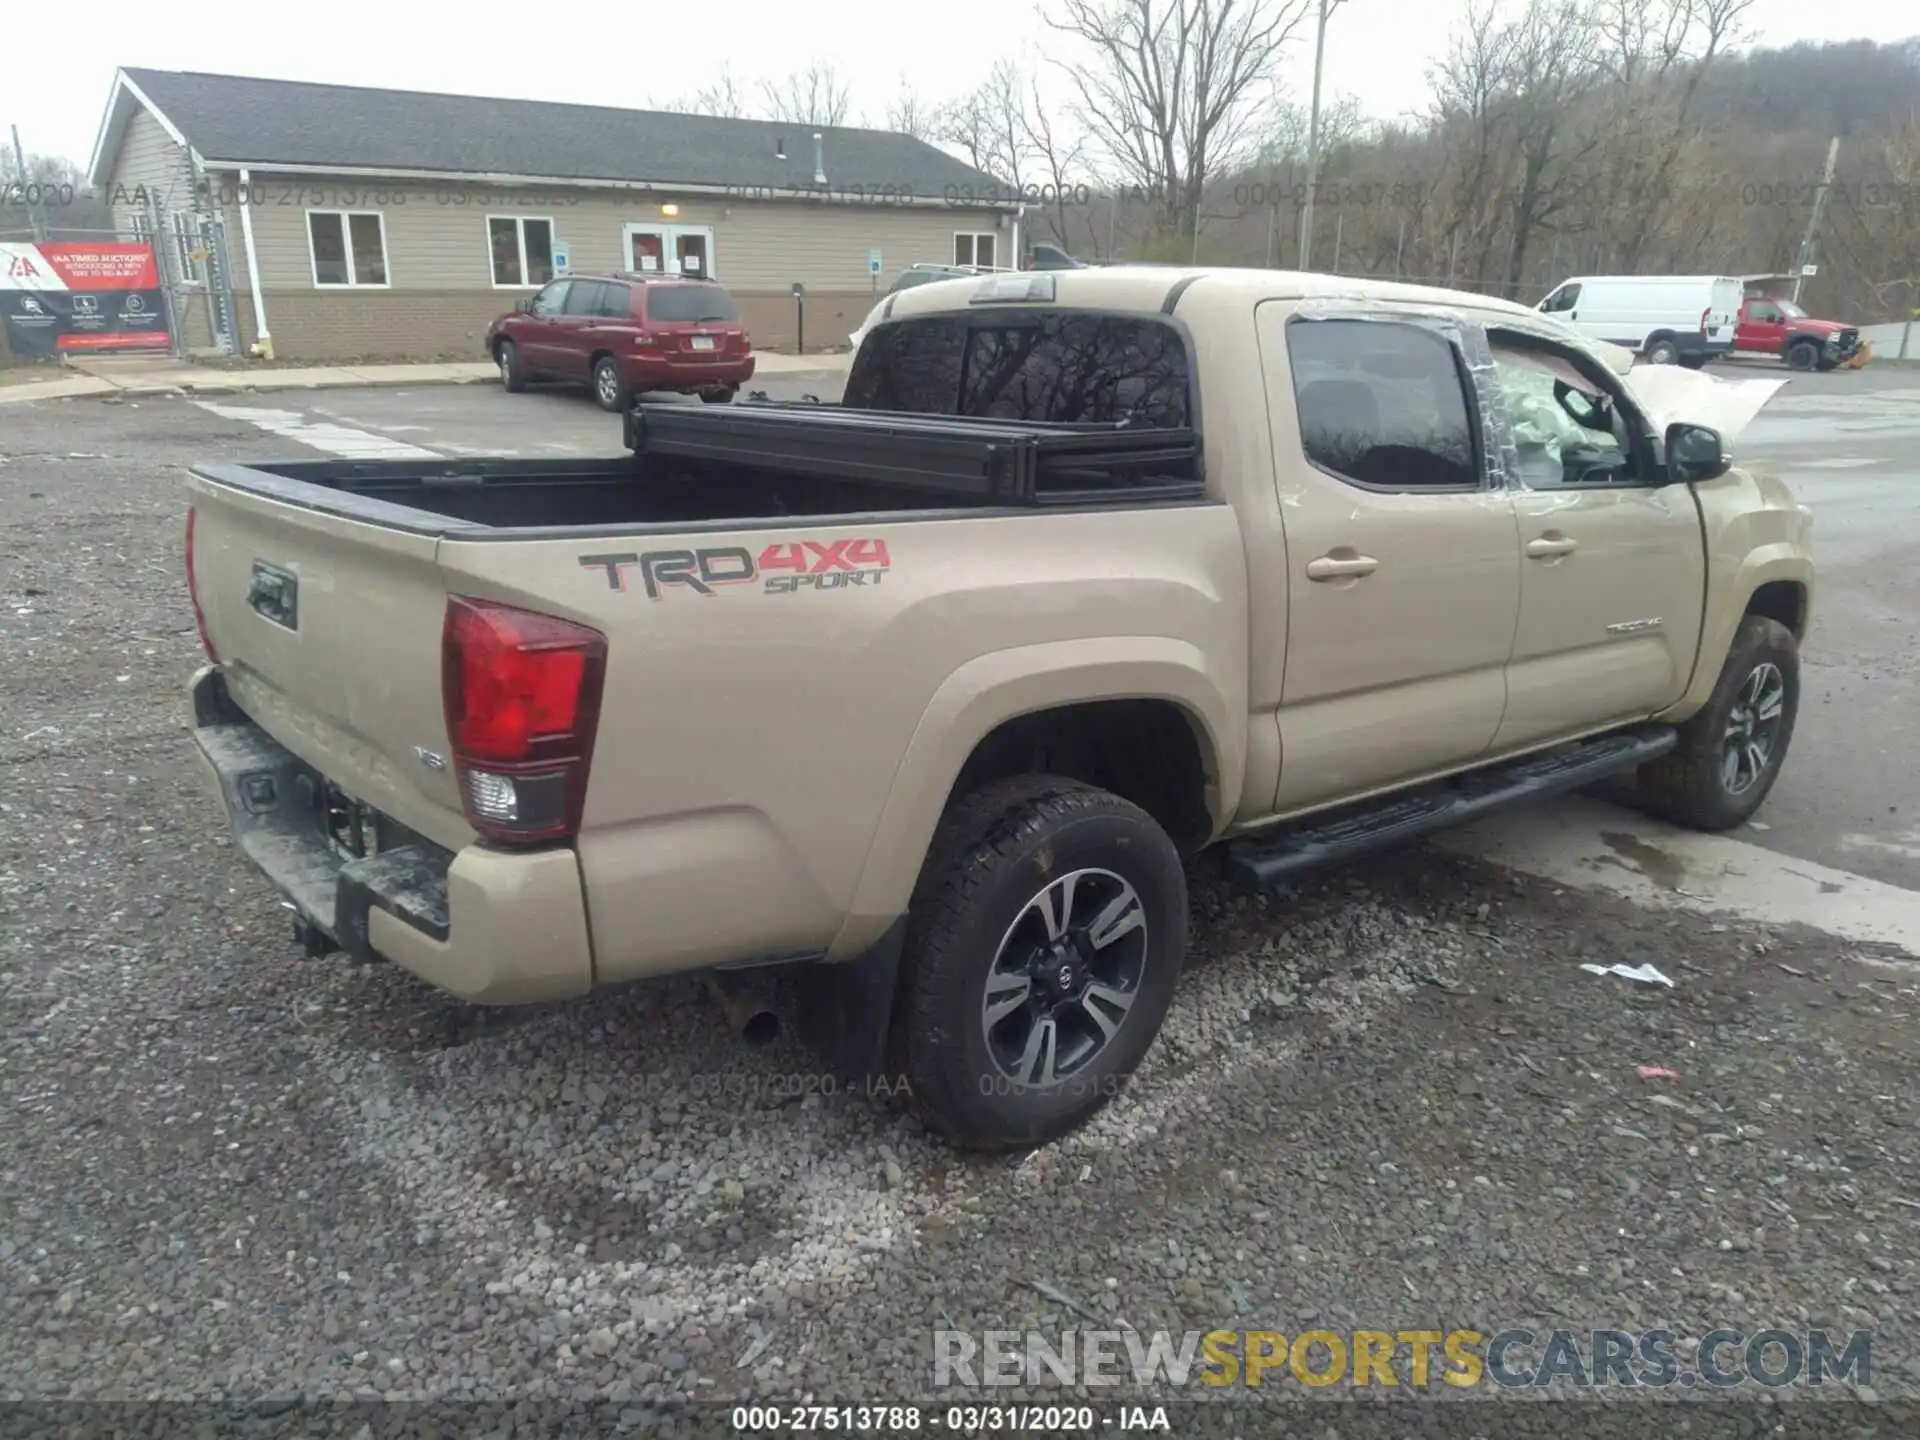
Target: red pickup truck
<point>1780,327</point>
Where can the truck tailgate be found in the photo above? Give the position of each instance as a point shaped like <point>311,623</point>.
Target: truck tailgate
<point>329,632</point>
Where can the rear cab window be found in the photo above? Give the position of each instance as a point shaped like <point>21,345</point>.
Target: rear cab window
<point>1047,366</point>
<point>1383,404</point>
<point>691,304</point>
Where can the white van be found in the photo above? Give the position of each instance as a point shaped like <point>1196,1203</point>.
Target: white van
<point>1665,319</point>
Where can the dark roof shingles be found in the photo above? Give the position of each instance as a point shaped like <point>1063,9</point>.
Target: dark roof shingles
<point>268,122</point>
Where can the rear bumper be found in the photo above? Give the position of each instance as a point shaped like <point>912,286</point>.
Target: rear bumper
<point>660,372</point>
<point>491,926</point>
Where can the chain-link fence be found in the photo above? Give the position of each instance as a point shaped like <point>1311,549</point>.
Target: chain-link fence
<point>90,290</point>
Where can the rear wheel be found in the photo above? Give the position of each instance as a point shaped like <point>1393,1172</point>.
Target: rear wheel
<point>1043,948</point>
<point>507,356</point>
<point>1731,752</point>
<point>1661,350</point>
<point>609,390</point>
<point>1803,355</point>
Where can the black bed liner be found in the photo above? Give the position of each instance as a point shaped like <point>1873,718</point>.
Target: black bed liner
<point>1003,461</point>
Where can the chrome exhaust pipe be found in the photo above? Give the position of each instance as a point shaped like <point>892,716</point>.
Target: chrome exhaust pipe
<point>746,1007</point>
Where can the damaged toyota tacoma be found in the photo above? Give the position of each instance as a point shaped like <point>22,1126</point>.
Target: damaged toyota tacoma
<point>924,699</point>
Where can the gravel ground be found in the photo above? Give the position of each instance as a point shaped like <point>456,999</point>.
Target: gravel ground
<point>1389,1100</point>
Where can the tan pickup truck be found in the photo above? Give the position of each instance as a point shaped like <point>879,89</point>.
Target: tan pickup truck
<point>932,693</point>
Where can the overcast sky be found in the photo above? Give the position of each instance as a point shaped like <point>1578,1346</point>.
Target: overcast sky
<point>1377,50</point>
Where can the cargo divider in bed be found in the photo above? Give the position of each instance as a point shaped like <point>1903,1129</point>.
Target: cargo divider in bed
<point>1009,462</point>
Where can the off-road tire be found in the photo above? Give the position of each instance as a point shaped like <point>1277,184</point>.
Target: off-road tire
<point>609,390</point>
<point>995,850</point>
<point>1685,785</point>
<point>1803,355</point>
<point>507,356</point>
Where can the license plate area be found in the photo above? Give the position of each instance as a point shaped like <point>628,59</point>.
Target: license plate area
<point>703,342</point>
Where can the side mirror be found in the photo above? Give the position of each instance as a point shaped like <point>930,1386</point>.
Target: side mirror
<point>1695,453</point>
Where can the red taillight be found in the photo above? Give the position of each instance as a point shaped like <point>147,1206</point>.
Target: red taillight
<point>522,698</point>
<point>1705,315</point>
<point>193,594</point>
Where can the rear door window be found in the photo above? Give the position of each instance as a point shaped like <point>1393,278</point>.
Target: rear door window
<point>616,301</point>
<point>1051,367</point>
<point>1383,404</point>
<point>691,304</point>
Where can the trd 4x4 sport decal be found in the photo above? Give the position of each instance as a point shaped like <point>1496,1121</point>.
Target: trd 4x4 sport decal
<point>784,569</point>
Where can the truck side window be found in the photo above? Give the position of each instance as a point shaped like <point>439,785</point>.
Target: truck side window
<point>1382,404</point>
<point>1565,298</point>
<point>1764,313</point>
<point>1053,367</point>
<point>1566,428</point>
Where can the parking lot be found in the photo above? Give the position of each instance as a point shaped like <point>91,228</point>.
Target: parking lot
<point>1391,1099</point>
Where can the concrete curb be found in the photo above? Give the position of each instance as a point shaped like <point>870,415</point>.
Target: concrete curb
<point>187,381</point>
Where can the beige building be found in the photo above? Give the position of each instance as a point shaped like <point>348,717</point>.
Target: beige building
<point>382,224</point>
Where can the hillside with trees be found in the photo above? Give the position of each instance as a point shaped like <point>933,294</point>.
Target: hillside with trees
<point>1556,137</point>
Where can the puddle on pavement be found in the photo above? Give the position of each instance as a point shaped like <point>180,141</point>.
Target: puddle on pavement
<point>1642,857</point>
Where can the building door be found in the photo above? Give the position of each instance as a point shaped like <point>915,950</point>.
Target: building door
<point>669,250</point>
<point>693,251</point>
<point>645,249</point>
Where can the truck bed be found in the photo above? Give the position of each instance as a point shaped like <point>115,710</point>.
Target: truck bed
<point>694,468</point>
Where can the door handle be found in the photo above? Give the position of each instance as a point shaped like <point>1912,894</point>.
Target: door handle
<point>1549,547</point>
<point>1341,567</point>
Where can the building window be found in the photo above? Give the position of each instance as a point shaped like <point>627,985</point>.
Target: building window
<point>348,249</point>
<point>973,248</point>
<point>522,250</point>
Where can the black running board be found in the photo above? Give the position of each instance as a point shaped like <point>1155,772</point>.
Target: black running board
<point>1260,861</point>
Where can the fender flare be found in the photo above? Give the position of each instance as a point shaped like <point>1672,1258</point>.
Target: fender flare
<point>994,688</point>
<point>1778,561</point>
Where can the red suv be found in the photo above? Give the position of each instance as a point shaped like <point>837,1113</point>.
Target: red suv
<point>623,333</point>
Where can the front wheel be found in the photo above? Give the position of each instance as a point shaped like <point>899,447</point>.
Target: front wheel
<point>507,356</point>
<point>1803,355</point>
<point>1731,752</point>
<point>1043,947</point>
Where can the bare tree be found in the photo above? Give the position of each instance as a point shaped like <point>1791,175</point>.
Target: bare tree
<point>987,122</point>
<point>1176,92</point>
<point>814,96</point>
<point>1549,75</point>
<point>908,114</point>
<point>724,97</point>
<point>1056,151</point>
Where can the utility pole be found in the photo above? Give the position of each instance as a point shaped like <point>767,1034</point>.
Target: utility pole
<point>34,217</point>
<point>1813,220</point>
<point>1313,137</point>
